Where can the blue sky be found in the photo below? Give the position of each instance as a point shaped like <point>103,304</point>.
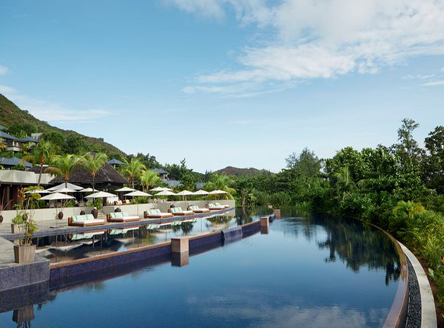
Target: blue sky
<point>227,82</point>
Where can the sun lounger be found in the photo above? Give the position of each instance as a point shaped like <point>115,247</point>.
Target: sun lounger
<point>122,217</point>
<point>178,211</point>
<point>121,231</point>
<point>85,235</point>
<point>224,206</point>
<point>153,227</point>
<point>157,214</point>
<point>214,207</point>
<point>196,209</point>
<point>86,220</point>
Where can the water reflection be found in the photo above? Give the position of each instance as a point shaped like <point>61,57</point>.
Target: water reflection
<point>303,273</point>
<point>90,243</point>
<point>358,245</point>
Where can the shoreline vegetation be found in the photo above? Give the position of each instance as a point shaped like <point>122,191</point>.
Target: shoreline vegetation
<point>399,188</point>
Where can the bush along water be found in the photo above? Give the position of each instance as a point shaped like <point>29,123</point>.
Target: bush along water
<point>398,188</point>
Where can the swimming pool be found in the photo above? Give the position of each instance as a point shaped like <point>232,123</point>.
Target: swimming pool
<point>307,272</point>
<point>75,246</point>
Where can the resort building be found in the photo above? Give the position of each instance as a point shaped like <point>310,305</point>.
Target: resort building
<point>11,181</point>
<point>15,144</point>
<point>12,143</point>
<point>107,177</point>
<point>162,173</point>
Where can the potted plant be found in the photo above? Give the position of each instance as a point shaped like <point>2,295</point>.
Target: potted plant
<point>24,251</point>
<point>17,225</point>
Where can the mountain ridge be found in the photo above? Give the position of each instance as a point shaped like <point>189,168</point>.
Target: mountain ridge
<point>237,171</point>
<point>11,114</point>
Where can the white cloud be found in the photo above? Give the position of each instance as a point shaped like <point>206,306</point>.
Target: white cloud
<point>433,83</point>
<point>308,39</point>
<point>208,8</point>
<point>4,89</point>
<point>52,112</point>
<point>3,70</point>
<point>418,76</point>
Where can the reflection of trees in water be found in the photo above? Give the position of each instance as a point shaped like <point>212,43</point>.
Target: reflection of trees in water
<point>221,220</point>
<point>358,245</point>
<point>95,286</point>
<point>187,227</point>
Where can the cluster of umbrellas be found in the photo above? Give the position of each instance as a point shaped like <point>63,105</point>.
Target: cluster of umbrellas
<point>60,192</point>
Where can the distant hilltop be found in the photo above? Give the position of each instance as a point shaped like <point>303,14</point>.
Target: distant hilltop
<point>238,172</point>
<point>10,114</point>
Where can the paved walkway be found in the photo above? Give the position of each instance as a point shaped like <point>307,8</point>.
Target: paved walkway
<point>6,253</point>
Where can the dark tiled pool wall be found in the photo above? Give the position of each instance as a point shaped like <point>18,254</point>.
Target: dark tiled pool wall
<point>107,273</point>
<point>212,238</point>
<point>232,234</point>
<point>198,249</point>
<point>83,267</point>
<point>251,229</point>
<point>22,275</point>
<point>23,296</point>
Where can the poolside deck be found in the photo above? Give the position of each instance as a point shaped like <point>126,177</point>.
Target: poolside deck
<point>51,228</point>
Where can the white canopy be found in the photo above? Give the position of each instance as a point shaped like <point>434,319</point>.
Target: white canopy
<point>62,185</point>
<point>185,193</point>
<point>101,194</point>
<point>217,192</point>
<point>125,189</point>
<point>89,190</point>
<point>138,193</point>
<point>38,191</point>
<point>65,190</point>
<point>200,193</point>
<point>56,196</point>
<point>161,189</point>
<point>166,193</point>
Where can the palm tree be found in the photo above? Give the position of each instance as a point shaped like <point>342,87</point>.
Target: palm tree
<point>133,169</point>
<point>3,145</point>
<point>221,182</point>
<point>41,155</point>
<point>409,207</point>
<point>93,162</point>
<point>149,179</point>
<point>64,165</point>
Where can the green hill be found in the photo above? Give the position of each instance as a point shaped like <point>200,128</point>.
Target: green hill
<point>10,114</point>
<point>238,172</point>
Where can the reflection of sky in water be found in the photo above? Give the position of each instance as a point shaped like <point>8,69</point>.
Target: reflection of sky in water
<point>283,279</point>
<point>78,246</point>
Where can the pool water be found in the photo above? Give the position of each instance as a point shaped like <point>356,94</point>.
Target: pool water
<point>307,272</point>
<point>68,247</point>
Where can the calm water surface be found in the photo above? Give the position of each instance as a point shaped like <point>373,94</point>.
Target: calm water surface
<point>307,272</point>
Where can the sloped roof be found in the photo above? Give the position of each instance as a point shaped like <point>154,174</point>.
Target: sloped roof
<point>4,135</point>
<point>172,183</point>
<point>13,161</point>
<point>2,127</point>
<point>28,139</point>
<point>115,162</point>
<point>81,176</point>
<point>200,185</point>
<point>160,171</point>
